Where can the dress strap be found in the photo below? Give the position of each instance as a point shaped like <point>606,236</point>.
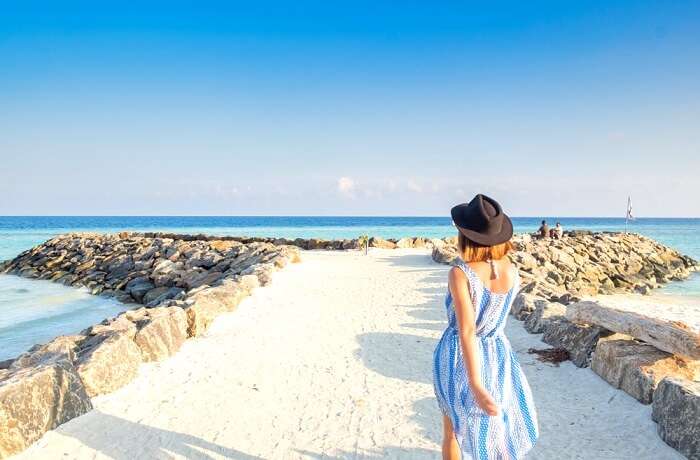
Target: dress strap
<point>471,274</point>
<point>472,278</point>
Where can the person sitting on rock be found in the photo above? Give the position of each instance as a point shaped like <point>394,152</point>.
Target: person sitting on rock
<point>558,231</point>
<point>543,231</point>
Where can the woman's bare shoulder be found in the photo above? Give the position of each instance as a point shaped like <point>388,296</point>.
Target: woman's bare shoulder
<point>456,274</point>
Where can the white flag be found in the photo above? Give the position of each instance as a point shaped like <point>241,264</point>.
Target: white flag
<point>629,209</point>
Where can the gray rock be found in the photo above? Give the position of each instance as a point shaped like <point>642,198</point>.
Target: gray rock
<point>204,260</point>
<point>138,287</point>
<point>676,409</point>
<point>579,340</point>
<point>544,313</point>
<point>107,362</point>
<point>206,278</point>
<point>350,244</point>
<point>316,243</point>
<point>637,367</point>
<point>170,293</point>
<point>522,306</point>
<point>120,268</point>
<point>154,294</point>
<point>34,400</point>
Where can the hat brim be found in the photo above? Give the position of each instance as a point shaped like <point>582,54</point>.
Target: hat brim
<point>504,235</point>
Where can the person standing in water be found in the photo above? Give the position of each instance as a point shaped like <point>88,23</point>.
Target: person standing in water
<point>487,405</point>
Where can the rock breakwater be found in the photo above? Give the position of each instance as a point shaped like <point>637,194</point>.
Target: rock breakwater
<point>584,263</point>
<point>184,283</point>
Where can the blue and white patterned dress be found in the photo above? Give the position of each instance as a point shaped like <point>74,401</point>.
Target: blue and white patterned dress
<point>511,433</point>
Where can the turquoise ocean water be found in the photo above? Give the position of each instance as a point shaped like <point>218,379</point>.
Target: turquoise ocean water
<point>35,311</point>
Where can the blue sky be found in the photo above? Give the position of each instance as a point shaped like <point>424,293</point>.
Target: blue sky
<point>365,108</point>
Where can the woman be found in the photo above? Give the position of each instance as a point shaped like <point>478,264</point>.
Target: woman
<point>487,406</point>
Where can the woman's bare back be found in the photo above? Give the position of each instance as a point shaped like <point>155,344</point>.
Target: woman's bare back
<point>504,268</point>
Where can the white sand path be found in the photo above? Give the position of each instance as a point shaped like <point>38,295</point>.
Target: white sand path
<point>333,360</point>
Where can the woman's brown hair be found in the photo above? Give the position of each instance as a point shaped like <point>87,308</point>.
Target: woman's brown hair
<point>473,252</point>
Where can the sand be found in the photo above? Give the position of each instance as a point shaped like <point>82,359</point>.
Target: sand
<point>333,360</point>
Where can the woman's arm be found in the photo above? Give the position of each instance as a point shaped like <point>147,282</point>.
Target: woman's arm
<point>464,309</point>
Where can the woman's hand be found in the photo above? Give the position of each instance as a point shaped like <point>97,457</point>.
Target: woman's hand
<point>484,400</point>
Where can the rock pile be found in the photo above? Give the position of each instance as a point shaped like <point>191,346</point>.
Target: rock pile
<point>305,243</point>
<point>585,263</point>
<point>653,360</point>
<point>184,283</point>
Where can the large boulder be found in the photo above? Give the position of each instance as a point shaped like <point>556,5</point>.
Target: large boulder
<point>637,367</point>
<point>207,304</point>
<point>316,243</point>
<point>579,340</point>
<point>676,409</point>
<point>524,261</point>
<point>34,400</point>
<point>432,243</point>
<point>162,334</point>
<point>350,244</point>
<point>262,271</point>
<point>156,296</point>
<point>107,362</point>
<point>291,254</point>
<point>672,336</point>
<point>154,293</point>
<point>121,323</point>
<point>522,306</point>
<point>543,314</point>
<point>377,242</point>
<point>405,243</point>
<point>446,254</point>
<point>138,287</point>
<point>62,347</point>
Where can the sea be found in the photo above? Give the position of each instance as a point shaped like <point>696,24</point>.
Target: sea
<point>35,311</point>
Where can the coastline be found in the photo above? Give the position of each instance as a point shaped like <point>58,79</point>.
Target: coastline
<point>365,393</point>
<point>183,304</point>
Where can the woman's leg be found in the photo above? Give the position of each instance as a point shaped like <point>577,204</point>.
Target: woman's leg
<point>450,448</point>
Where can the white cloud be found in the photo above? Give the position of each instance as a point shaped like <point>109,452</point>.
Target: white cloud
<point>414,186</point>
<point>346,186</point>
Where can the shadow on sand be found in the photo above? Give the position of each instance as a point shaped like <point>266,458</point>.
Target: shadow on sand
<point>408,356</point>
<point>121,439</point>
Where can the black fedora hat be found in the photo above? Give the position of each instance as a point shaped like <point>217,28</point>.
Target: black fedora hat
<point>482,221</point>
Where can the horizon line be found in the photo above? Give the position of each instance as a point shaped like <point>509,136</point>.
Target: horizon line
<point>540,216</point>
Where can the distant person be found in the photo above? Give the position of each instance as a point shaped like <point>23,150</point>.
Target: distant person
<point>543,231</point>
<point>558,231</point>
<point>486,403</point>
